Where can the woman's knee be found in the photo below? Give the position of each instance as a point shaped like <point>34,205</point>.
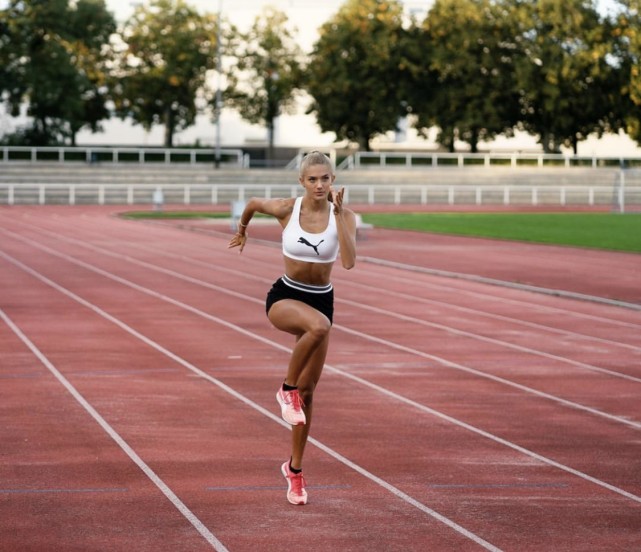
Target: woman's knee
<point>319,329</point>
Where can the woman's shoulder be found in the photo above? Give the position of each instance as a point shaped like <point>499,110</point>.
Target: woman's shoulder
<point>281,208</point>
<point>287,203</point>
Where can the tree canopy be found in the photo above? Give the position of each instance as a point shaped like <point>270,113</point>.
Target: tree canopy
<point>473,69</point>
<point>169,49</point>
<point>470,69</point>
<point>266,73</point>
<point>566,76</point>
<point>627,30</point>
<point>354,68</point>
<point>52,59</point>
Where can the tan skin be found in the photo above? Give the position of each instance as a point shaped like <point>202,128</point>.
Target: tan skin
<point>310,326</point>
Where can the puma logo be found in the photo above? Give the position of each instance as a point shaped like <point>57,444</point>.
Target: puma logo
<point>314,247</point>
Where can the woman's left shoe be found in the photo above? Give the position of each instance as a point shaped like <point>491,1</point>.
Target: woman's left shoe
<point>296,493</point>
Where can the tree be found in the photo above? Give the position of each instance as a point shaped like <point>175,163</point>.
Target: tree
<point>568,82</point>
<point>468,70</point>
<point>52,58</point>
<point>170,48</point>
<point>355,69</point>
<point>267,72</point>
<point>627,32</point>
<point>91,26</point>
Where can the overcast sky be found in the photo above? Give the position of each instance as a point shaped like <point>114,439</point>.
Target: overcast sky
<point>306,15</point>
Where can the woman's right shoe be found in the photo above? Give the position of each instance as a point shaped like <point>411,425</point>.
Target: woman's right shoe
<point>291,406</point>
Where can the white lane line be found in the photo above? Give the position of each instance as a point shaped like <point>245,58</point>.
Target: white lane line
<point>128,329</point>
<point>349,282</point>
<point>497,379</point>
<point>369,337</point>
<point>411,319</point>
<point>328,367</point>
<point>520,302</point>
<point>156,480</point>
<point>452,275</point>
<point>503,283</point>
<point>498,342</point>
<point>486,314</point>
<point>152,228</point>
<point>433,301</point>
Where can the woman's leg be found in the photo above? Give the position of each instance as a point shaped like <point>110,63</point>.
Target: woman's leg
<point>306,363</point>
<point>306,384</point>
<point>310,326</point>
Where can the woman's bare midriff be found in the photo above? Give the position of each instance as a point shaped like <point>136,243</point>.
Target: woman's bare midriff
<point>316,274</point>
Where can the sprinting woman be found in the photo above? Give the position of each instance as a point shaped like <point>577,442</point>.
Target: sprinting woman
<point>317,229</point>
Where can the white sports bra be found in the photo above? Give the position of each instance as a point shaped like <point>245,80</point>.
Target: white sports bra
<point>308,247</point>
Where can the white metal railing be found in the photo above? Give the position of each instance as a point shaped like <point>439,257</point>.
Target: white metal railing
<point>391,160</point>
<point>101,154</point>
<point>374,194</point>
<point>358,160</point>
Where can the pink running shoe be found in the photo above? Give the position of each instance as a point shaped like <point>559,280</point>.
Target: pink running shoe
<point>291,406</point>
<point>296,493</point>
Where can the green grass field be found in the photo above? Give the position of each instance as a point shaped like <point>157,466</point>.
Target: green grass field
<point>597,230</point>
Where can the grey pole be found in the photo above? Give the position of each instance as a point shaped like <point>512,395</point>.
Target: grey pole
<point>219,100</point>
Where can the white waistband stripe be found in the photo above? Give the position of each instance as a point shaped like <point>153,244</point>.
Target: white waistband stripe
<point>310,288</point>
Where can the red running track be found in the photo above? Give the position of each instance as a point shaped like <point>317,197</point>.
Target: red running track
<point>138,373</point>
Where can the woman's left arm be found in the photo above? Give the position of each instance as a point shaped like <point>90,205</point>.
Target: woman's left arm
<point>346,227</point>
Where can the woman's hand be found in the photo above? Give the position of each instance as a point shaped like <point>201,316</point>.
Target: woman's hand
<point>337,199</point>
<point>238,240</point>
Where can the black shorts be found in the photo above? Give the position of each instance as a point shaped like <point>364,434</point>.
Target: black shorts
<point>320,298</point>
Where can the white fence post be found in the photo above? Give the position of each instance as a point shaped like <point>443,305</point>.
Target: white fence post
<point>621,192</point>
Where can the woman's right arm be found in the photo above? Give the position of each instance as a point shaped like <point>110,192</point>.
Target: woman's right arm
<point>278,208</point>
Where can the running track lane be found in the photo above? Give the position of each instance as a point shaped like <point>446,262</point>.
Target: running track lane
<point>473,479</point>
